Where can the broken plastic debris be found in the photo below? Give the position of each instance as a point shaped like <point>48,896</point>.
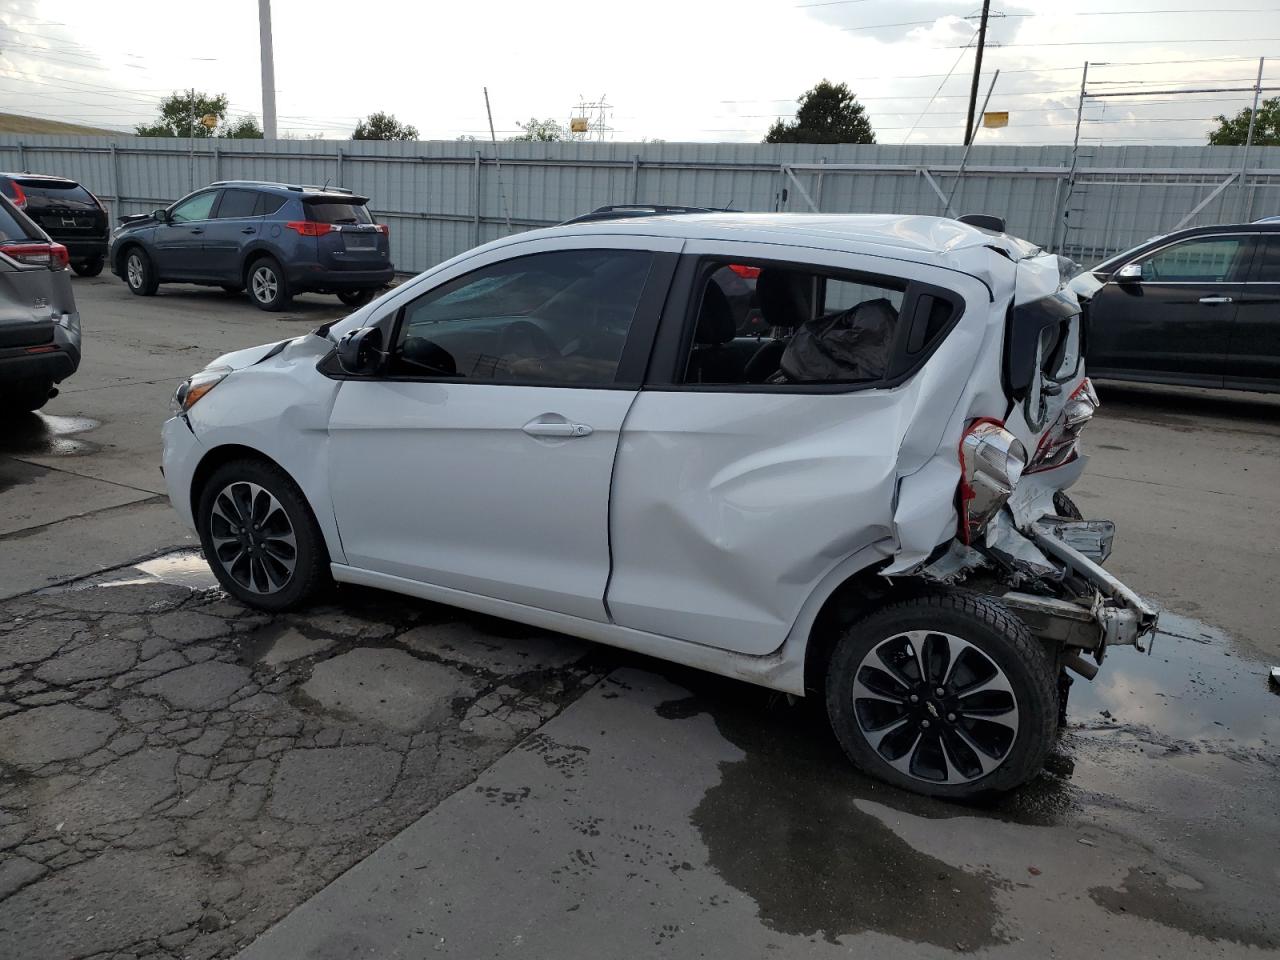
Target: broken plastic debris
<point>1275,678</point>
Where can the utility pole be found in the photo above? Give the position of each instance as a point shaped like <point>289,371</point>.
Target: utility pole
<point>268,71</point>
<point>497,162</point>
<point>977,71</point>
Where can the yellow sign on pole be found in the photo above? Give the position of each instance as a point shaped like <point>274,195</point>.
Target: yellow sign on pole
<point>578,125</point>
<point>998,118</point>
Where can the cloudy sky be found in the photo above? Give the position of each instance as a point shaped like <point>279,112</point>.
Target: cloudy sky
<point>698,70</point>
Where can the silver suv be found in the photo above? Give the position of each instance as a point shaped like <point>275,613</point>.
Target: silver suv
<point>39,324</point>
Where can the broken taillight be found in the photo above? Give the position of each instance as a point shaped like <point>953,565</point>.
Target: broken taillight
<point>1058,445</point>
<point>991,461</point>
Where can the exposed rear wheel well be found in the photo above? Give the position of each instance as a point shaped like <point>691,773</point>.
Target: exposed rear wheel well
<point>858,596</point>
<point>123,252</point>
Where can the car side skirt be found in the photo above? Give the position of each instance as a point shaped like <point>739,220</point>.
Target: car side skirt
<point>782,670</point>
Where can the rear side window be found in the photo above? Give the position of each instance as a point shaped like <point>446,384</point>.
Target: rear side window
<point>801,326</point>
<point>267,204</point>
<point>1267,262</point>
<point>14,226</point>
<point>53,192</point>
<point>237,203</point>
<point>8,189</point>
<point>337,212</point>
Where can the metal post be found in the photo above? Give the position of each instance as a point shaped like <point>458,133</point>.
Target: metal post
<point>115,182</point>
<point>1248,142</point>
<point>217,162</point>
<point>1061,224</point>
<point>475,202</point>
<point>268,71</point>
<point>817,190</point>
<point>977,71</point>
<point>967,147</point>
<point>497,161</point>
<point>635,178</point>
<point>22,157</point>
<point>341,156</point>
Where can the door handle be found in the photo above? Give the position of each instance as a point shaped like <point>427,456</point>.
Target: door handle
<point>556,428</point>
<point>1215,299</point>
<point>197,229</point>
<point>249,230</point>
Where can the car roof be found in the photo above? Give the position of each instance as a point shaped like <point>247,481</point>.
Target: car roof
<point>901,236</point>
<point>28,175</point>
<point>308,190</point>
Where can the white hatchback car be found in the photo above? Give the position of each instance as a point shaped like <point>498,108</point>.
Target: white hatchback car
<point>580,429</point>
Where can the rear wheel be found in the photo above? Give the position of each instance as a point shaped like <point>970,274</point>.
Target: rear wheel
<point>947,695</point>
<point>1065,506</point>
<point>88,268</point>
<point>260,537</point>
<point>139,273</point>
<point>355,298</point>
<point>267,284</point>
<point>26,397</point>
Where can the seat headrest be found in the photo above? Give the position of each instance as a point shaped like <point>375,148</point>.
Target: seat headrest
<point>715,318</point>
<point>782,298</point>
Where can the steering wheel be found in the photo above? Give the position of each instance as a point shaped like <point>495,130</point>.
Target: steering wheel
<point>526,339</point>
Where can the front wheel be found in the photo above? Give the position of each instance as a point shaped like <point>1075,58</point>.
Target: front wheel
<point>268,286</point>
<point>946,695</point>
<point>88,268</point>
<point>260,537</point>
<point>139,273</point>
<point>355,298</point>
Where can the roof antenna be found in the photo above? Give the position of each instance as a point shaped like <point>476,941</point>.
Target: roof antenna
<point>326,184</point>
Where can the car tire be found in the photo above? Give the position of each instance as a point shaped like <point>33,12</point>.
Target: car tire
<point>139,273</point>
<point>356,298</point>
<point>997,715</point>
<point>1065,506</point>
<point>26,398</point>
<point>88,268</point>
<point>267,284</point>
<point>250,517</point>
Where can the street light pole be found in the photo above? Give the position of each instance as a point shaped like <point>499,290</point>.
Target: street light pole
<point>268,71</point>
<point>977,71</point>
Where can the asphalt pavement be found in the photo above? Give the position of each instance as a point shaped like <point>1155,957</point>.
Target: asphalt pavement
<point>181,777</point>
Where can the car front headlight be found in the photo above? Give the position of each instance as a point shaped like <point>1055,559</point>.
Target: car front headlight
<point>991,462</point>
<point>193,388</point>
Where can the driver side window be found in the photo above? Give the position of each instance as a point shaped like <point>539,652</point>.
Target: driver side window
<point>196,208</point>
<point>548,318</point>
<point>1210,260</point>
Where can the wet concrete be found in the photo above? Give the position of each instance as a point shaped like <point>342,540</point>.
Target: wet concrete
<point>43,434</point>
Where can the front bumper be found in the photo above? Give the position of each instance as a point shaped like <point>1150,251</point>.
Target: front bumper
<point>182,455</point>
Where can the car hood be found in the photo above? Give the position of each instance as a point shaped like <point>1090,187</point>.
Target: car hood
<point>239,359</point>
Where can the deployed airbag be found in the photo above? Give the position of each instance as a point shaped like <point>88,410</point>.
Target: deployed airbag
<point>851,345</point>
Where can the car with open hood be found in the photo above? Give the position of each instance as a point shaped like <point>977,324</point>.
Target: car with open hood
<point>569,428</point>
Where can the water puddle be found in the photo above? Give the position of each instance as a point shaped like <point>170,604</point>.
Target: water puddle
<point>1193,687</point>
<point>183,568</point>
<point>45,434</point>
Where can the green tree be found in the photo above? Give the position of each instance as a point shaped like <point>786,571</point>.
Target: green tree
<point>383,126</point>
<point>539,131</point>
<point>1234,131</point>
<point>829,113</point>
<point>181,115</point>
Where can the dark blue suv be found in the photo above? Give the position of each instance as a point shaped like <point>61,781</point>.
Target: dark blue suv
<point>272,239</point>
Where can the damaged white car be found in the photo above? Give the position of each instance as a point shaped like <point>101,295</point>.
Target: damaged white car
<point>825,454</point>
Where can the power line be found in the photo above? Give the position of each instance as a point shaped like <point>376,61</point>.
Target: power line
<point>1080,13</point>
<point>1105,43</point>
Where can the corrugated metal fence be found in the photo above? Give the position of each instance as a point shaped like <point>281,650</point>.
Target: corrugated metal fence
<point>442,197</point>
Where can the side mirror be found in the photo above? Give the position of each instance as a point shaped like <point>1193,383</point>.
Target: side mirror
<point>360,351</point>
<point>1129,273</point>
<point>161,215</point>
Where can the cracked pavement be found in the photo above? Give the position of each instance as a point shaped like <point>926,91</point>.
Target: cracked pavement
<point>177,772</point>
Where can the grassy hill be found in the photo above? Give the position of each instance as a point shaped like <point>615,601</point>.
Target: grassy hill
<point>17,123</point>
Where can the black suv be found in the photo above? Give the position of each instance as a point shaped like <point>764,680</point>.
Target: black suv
<point>67,212</point>
<point>1199,307</point>
<point>271,239</point>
